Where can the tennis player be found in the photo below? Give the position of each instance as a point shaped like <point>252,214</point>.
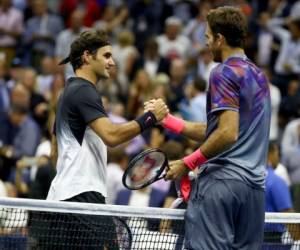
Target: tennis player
<point>82,129</point>
<point>226,205</point>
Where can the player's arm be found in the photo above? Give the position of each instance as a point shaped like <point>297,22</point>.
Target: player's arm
<point>224,136</point>
<point>220,140</point>
<point>194,130</point>
<point>53,153</point>
<point>115,134</point>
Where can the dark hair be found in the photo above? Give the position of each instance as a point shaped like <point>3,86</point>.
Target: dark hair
<point>231,23</point>
<point>90,40</point>
<point>199,84</point>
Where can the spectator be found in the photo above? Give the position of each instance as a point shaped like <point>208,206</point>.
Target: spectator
<point>4,91</point>
<point>26,134</point>
<point>40,33</point>
<point>275,105</point>
<point>91,8</point>
<point>15,72</point>
<point>172,44</point>
<point>289,106</point>
<point>117,163</point>
<point>178,78</point>
<point>112,20</point>
<point>287,62</point>
<point>146,197</point>
<point>11,28</point>
<point>291,160</point>
<point>67,36</point>
<point>195,28</point>
<point>195,108</point>
<point>151,61</point>
<point>127,55</point>
<point>278,198</point>
<point>146,18</point>
<point>139,91</point>
<point>205,65</point>
<point>290,138</point>
<point>38,105</point>
<point>45,78</point>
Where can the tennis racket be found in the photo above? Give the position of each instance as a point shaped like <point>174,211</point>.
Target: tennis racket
<point>145,168</point>
<point>124,235</point>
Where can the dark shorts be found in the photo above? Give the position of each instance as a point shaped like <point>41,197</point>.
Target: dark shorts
<point>224,214</point>
<point>73,231</point>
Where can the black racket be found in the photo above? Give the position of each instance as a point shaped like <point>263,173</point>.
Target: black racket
<point>124,235</point>
<point>145,168</point>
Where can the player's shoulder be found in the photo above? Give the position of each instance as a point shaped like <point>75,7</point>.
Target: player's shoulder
<point>75,84</point>
<point>225,70</point>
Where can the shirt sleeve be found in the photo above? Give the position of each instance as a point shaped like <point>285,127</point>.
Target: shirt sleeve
<point>224,90</point>
<point>89,104</point>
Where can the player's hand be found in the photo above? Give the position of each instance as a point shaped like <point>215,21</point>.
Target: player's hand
<point>157,107</point>
<point>176,170</point>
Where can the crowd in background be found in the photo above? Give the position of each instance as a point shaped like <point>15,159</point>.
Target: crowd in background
<point>159,50</point>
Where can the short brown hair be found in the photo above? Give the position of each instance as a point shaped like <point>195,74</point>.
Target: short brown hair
<point>231,23</point>
<point>90,40</point>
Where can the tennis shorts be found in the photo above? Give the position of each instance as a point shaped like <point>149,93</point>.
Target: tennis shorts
<point>73,231</point>
<point>224,214</point>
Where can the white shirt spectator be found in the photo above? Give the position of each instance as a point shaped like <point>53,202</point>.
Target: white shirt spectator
<point>282,172</point>
<point>173,48</point>
<point>289,49</point>
<point>295,10</point>
<point>122,55</point>
<point>275,103</point>
<point>43,149</point>
<point>10,20</point>
<point>205,69</point>
<point>290,138</point>
<point>114,183</point>
<point>3,192</point>
<point>198,108</point>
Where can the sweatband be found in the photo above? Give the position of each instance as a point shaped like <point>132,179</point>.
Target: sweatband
<point>146,120</point>
<point>194,159</point>
<point>173,123</point>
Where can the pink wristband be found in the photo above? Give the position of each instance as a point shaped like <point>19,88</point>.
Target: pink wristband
<point>194,159</point>
<point>173,123</point>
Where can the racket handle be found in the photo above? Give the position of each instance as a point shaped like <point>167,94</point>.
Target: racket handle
<point>176,203</point>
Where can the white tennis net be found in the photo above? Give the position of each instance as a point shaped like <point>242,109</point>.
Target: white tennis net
<point>37,224</point>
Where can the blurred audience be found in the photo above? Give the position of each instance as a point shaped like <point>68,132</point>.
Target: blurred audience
<point>160,51</point>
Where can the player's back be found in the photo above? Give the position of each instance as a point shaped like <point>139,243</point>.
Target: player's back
<point>239,85</point>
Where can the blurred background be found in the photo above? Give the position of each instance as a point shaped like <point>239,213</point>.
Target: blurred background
<point>159,50</point>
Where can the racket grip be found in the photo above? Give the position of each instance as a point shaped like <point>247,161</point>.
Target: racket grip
<point>176,202</point>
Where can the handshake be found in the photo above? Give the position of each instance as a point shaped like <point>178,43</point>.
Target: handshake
<point>157,107</point>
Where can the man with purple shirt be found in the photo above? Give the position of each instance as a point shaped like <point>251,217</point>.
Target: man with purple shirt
<point>226,205</point>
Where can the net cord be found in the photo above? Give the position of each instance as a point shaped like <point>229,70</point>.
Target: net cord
<point>120,211</point>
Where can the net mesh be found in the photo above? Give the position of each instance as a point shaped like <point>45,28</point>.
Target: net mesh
<point>32,224</point>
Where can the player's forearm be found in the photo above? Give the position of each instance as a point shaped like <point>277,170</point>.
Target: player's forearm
<point>219,141</point>
<point>117,134</point>
<point>194,130</point>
